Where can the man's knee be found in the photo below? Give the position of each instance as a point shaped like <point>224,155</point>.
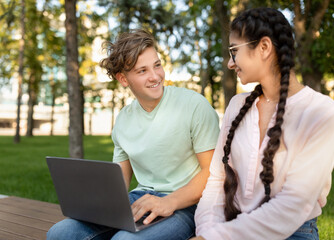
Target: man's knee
<point>62,229</point>
<point>77,230</point>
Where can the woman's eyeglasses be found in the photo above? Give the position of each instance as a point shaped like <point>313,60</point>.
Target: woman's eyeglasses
<point>232,49</point>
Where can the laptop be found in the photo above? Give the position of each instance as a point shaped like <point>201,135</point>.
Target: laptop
<point>94,191</point>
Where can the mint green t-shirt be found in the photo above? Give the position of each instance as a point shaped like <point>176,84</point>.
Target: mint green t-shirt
<point>162,145</point>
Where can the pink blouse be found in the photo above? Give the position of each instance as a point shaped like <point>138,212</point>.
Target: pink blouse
<point>302,171</point>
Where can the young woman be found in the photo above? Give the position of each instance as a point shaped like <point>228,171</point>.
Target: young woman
<point>271,170</point>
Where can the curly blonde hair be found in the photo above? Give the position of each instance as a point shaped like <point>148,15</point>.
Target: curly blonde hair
<point>123,53</point>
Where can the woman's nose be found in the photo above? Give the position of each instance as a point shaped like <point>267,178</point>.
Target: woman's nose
<point>231,63</point>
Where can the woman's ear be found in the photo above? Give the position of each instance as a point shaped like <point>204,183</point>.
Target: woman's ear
<point>266,47</point>
<point>121,78</point>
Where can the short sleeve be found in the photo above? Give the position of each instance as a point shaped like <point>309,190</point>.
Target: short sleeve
<point>119,154</point>
<point>204,124</point>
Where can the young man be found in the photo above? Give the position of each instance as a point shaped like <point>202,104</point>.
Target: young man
<point>166,138</point>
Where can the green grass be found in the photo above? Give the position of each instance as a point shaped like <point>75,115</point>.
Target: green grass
<point>24,173</point>
<point>23,169</point>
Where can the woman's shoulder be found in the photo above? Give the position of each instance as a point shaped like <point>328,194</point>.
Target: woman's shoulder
<point>234,106</point>
<point>317,101</point>
<point>238,100</point>
<point>240,97</point>
<point>321,98</point>
<point>309,108</point>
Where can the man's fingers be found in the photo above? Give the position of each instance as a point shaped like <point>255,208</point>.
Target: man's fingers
<point>150,204</point>
<point>150,218</point>
<point>138,212</point>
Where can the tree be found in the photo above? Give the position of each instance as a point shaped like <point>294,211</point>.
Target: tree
<point>211,42</point>
<point>20,78</point>
<point>313,27</point>
<point>323,48</point>
<point>33,60</point>
<point>89,29</point>
<point>8,26</point>
<point>307,21</point>
<point>73,80</point>
<point>207,43</point>
<point>53,43</point>
<point>41,51</point>
<point>229,82</point>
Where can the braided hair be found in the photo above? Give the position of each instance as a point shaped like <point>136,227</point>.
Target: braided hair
<point>252,25</point>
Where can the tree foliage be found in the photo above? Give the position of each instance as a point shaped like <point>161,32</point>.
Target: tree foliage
<point>8,62</point>
<point>192,35</point>
<point>312,23</point>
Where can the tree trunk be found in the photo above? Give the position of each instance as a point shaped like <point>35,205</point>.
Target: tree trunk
<point>229,82</point>
<point>20,77</point>
<point>52,114</point>
<point>209,72</point>
<point>203,74</point>
<point>113,106</point>
<point>313,79</point>
<point>31,103</point>
<point>82,106</point>
<point>53,99</point>
<point>90,120</point>
<point>73,82</point>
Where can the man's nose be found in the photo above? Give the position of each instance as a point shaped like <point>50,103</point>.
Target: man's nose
<point>153,75</point>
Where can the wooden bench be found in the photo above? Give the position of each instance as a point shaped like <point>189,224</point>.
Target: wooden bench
<point>26,219</point>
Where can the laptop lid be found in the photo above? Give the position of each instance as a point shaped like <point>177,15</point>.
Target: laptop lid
<point>92,191</point>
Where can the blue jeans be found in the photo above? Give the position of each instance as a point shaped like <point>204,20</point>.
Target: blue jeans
<point>179,226</point>
<point>308,231</point>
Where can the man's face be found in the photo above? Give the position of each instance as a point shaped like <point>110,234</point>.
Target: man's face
<point>145,79</point>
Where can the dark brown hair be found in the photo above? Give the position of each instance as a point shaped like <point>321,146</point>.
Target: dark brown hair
<point>123,53</point>
<point>252,25</point>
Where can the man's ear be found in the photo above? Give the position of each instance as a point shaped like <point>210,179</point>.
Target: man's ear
<point>266,47</point>
<point>121,78</point>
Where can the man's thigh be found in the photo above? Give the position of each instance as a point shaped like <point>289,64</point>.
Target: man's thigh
<point>78,230</point>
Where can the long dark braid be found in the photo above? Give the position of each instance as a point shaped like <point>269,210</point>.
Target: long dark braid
<point>253,25</point>
<point>231,180</point>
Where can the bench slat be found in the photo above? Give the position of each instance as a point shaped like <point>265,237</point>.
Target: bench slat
<point>41,214</point>
<point>21,230</point>
<point>26,219</point>
<point>29,203</point>
<point>4,235</point>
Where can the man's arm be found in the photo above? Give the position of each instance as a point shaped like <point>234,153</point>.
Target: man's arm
<point>181,198</point>
<point>127,172</point>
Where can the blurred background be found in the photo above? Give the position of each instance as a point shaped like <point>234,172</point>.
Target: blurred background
<point>193,41</point>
